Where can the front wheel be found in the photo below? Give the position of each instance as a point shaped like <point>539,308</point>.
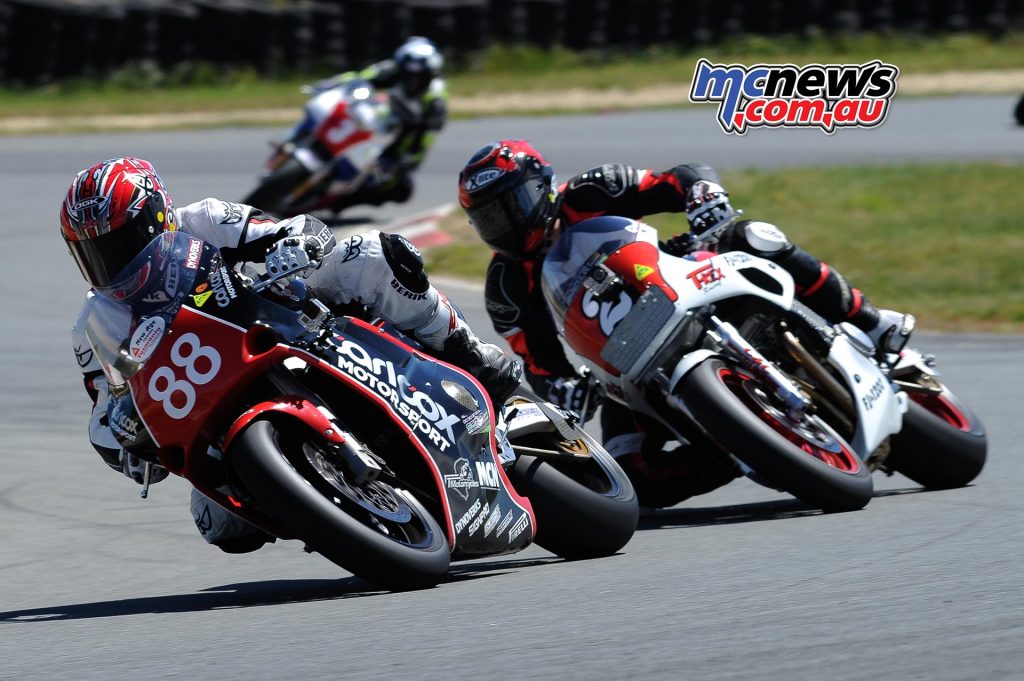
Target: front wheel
<point>585,508</point>
<point>942,443</point>
<point>804,457</point>
<point>372,529</point>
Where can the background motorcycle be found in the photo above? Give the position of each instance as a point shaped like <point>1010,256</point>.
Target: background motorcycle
<point>717,349</point>
<point>338,432</point>
<point>333,153</point>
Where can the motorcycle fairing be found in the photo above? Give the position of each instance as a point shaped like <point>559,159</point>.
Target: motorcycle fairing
<point>873,392</point>
<point>484,513</point>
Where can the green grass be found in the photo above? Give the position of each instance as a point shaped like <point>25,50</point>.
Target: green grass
<point>142,88</point>
<point>945,242</point>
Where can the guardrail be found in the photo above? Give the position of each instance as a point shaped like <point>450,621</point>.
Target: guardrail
<point>43,41</point>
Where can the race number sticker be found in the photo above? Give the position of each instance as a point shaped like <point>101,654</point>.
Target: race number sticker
<point>178,396</point>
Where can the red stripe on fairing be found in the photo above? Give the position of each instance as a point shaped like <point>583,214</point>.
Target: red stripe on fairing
<point>521,501</point>
<point>858,302</point>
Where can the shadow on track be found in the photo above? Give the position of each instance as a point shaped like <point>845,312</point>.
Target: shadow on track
<point>782,509</point>
<point>247,595</point>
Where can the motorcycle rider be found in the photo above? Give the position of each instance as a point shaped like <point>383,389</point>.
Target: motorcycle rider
<point>418,98</point>
<point>115,208</point>
<point>511,197</point>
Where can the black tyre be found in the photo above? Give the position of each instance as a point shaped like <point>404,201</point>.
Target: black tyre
<point>584,509</point>
<point>275,187</point>
<point>372,530</point>
<point>806,458</point>
<point>942,443</point>
<point>1018,111</point>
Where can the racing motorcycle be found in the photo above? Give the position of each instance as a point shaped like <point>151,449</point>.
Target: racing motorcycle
<point>716,348</point>
<point>339,432</point>
<point>333,153</point>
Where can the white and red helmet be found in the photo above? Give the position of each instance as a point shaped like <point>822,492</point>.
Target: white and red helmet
<point>111,212</point>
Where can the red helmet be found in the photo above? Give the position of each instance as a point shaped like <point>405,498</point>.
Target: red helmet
<point>110,213</point>
<point>509,193</point>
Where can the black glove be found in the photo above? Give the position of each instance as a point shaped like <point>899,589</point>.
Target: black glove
<point>581,393</point>
<point>679,245</point>
<point>498,372</point>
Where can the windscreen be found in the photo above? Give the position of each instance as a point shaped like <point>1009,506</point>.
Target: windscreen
<point>578,249</point>
<point>127,319</point>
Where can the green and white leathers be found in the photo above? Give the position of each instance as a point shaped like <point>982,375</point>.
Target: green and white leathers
<point>418,98</point>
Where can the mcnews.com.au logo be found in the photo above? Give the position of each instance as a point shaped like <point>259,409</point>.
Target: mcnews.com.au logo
<point>825,96</point>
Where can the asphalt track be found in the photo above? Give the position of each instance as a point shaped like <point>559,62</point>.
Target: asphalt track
<point>740,584</point>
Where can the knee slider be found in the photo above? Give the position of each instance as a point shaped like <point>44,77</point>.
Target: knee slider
<point>405,261</point>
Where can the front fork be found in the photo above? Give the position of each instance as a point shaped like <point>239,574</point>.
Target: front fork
<point>727,336</point>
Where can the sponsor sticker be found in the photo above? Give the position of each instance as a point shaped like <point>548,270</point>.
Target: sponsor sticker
<point>517,529</point>
<point>146,337</point>
<point>706,277</point>
<point>462,479</point>
<point>201,298</point>
<point>195,249</point>
<point>429,420</point>
<point>483,178</point>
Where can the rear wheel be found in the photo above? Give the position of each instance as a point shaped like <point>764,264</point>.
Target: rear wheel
<point>372,529</point>
<point>942,443</point>
<point>585,508</point>
<point>804,457</point>
<point>275,187</point>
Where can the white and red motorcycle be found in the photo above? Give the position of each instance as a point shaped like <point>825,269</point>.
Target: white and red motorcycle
<point>333,153</point>
<point>716,348</point>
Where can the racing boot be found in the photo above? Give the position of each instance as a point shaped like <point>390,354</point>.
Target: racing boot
<point>498,372</point>
<point>892,331</point>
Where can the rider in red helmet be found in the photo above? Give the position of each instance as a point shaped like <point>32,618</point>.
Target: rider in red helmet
<point>512,199</point>
<point>114,209</point>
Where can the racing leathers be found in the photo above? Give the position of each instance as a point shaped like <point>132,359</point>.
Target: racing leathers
<point>419,119</point>
<point>518,312</point>
<point>382,272</point>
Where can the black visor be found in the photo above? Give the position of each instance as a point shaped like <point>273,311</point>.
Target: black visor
<point>504,221</point>
<point>101,259</point>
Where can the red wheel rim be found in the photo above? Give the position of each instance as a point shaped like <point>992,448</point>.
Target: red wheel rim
<point>938,405</point>
<point>837,456</point>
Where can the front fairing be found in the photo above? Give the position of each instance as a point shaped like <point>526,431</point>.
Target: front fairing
<point>450,421</point>
<point>128,318</point>
<point>578,249</point>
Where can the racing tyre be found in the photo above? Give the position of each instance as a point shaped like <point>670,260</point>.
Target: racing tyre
<point>375,531</point>
<point>272,190</point>
<point>1018,111</point>
<point>805,458</point>
<point>942,443</point>
<point>584,509</point>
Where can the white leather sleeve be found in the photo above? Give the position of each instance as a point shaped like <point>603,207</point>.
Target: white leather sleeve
<point>100,435</point>
<point>356,270</point>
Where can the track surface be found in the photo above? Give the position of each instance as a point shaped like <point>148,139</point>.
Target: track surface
<point>743,583</point>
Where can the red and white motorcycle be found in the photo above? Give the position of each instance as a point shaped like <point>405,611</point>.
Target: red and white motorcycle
<point>716,348</point>
<point>332,153</point>
<point>341,433</point>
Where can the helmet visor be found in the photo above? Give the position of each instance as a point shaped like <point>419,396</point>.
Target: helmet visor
<point>101,259</point>
<point>504,221</point>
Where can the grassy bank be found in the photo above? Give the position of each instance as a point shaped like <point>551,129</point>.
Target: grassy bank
<point>943,241</point>
<point>144,89</point>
